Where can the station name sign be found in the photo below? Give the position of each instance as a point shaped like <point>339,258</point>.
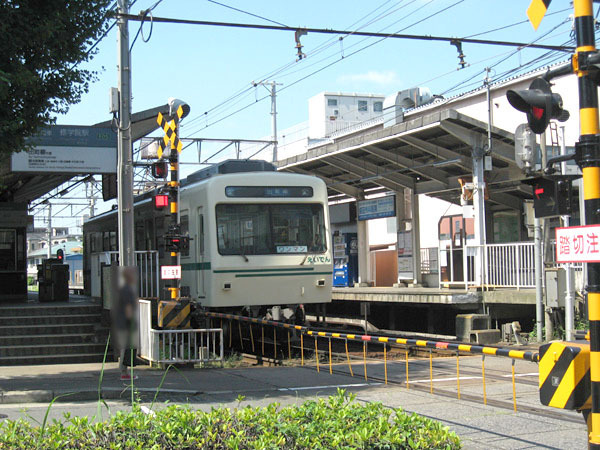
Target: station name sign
<point>69,149</point>
<point>578,244</point>
<point>377,208</point>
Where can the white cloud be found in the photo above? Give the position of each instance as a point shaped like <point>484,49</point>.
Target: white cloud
<point>382,78</point>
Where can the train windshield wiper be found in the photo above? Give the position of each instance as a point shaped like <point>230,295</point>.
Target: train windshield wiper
<point>243,255</point>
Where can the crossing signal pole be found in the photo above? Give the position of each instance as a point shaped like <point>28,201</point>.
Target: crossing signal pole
<point>540,107</point>
<point>587,152</point>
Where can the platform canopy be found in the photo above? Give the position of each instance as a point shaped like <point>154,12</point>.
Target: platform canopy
<point>428,154</point>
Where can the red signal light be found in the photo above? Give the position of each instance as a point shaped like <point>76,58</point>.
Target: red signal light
<point>161,201</point>
<point>538,192</point>
<point>537,112</point>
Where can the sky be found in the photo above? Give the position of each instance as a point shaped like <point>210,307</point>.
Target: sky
<point>205,66</point>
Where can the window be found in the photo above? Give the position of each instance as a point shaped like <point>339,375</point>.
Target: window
<point>8,250</point>
<point>184,223</point>
<point>200,234</point>
<point>332,102</point>
<point>363,105</point>
<point>377,106</point>
<point>266,229</point>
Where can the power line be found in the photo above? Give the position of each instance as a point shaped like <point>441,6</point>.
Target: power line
<point>138,18</point>
<point>247,12</point>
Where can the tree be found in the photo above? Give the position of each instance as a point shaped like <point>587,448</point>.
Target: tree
<point>43,43</point>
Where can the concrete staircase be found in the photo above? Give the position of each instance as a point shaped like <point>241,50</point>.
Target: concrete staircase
<point>46,333</point>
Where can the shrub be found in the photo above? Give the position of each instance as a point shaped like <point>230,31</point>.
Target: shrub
<point>336,422</point>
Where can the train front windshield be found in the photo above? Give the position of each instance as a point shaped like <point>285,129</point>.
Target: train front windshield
<point>266,229</point>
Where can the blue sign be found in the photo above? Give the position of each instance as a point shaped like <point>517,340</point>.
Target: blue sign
<point>377,208</point>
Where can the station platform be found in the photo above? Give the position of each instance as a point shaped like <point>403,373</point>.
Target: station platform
<point>439,296</point>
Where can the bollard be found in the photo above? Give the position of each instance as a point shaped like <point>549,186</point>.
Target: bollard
<point>513,387</point>
<point>251,337</point>
<point>385,362</point>
<point>330,367</point>
<point>483,375</point>
<point>230,333</point>
<point>348,358</point>
<point>274,343</point>
<point>365,359</point>
<point>240,331</point>
<point>262,337</point>
<point>430,371</point>
<point>458,374</point>
<point>407,368</point>
<point>289,346</point>
<point>301,348</point>
<point>317,353</point>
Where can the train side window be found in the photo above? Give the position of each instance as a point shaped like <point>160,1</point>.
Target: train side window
<point>200,234</point>
<point>113,241</point>
<point>106,241</point>
<point>184,224</point>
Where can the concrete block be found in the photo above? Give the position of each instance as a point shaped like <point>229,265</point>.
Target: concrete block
<point>485,337</point>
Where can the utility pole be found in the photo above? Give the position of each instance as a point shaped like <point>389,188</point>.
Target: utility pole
<point>489,106</point>
<point>49,230</point>
<point>274,118</point>
<point>273,92</point>
<point>569,293</point>
<point>125,156</point>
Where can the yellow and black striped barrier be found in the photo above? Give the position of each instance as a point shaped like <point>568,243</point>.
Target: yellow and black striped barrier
<point>174,314</point>
<point>439,345</point>
<point>564,378</point>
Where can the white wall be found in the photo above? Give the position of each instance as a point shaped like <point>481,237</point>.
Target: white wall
<point>325,120</point>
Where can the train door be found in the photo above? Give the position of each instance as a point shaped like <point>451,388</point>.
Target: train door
<point>202,264</point>
<point>451,240</point>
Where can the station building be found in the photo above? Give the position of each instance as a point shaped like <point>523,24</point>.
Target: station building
<point>458,237</point>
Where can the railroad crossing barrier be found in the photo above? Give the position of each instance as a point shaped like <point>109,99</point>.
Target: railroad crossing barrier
<point>452,347</point>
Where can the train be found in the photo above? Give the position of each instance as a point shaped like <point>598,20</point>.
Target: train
<point>259,241</point>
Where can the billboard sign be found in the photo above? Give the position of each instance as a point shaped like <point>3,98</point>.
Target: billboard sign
<point>170,272</point>
<point>377,208</point>
<point>69,149</point>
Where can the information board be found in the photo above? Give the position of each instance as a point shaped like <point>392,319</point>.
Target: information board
<point>69,149</point>
<point>377,208</point>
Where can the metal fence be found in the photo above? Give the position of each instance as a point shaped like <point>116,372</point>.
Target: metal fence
<point>148,271</point>
<point>177,346</point>
<point>509,265</point>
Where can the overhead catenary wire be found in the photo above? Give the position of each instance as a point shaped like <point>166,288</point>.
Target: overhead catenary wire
<point>214,122</point>
<point>318,49</point>
<point>170,20</point>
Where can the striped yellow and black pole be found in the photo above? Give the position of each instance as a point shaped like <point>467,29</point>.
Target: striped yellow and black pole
<point>588,158</point>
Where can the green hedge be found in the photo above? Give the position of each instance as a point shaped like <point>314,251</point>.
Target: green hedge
<point>338,422</point>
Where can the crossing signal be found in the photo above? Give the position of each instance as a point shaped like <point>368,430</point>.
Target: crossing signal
<point>60,255</point>
<point>161,201</point>
<point>552,195</point>
<point>177,243</point>
<point>160,169</point>
<point>539,103</point>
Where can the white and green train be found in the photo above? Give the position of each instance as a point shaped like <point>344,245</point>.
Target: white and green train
<point>259,239</point>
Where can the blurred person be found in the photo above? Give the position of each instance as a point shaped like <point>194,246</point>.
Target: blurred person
<point>124,319</point>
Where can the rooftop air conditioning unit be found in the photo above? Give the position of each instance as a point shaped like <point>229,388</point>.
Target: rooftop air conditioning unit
<point>396,104</point>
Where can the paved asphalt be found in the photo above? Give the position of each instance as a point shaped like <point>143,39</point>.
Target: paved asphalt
<point>26,391</point>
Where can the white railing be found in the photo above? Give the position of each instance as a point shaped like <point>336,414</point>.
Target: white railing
<point>177,346</point>
<point>148,271</point>
<point>189,346</point>
<point>509,265</point>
